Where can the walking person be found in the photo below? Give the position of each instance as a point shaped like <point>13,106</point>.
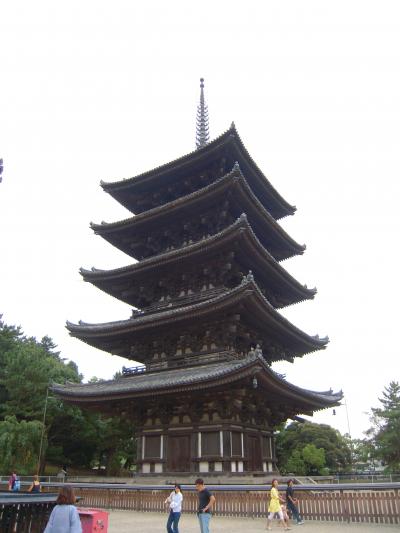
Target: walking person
<point>174,501</point>
<point>291,503</point>
<point>64,517</point>
<point>274,506</point>
<point>206,502</point>
<point>35,487</point>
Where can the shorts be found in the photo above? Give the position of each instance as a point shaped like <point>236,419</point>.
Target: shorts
<point>279,513</point>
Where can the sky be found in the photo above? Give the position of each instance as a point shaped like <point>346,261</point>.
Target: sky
<point>96,90</point>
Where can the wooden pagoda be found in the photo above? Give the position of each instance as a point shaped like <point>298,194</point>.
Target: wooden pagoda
<point>205,327</point>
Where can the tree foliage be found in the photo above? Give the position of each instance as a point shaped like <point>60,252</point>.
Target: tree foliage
<point>71,437</point>
<point>295,463</point>
<point>362,450</point>
<point>308,448</point>
<point>384,435</point>
<point>19,444</point>
<point>308,460</point>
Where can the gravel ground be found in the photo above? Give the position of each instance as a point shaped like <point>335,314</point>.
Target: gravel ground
<point>134,522</point>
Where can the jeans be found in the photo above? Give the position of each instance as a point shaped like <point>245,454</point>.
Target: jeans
<point>204,519</point>
<point>295,512</point>
<point>172,524</point>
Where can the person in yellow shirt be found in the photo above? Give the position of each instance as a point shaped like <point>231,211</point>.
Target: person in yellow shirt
<point>274,506</point>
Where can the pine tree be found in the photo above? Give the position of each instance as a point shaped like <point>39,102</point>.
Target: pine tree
<point>385,432</point>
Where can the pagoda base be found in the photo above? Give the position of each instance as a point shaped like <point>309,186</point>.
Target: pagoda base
<point>186,478</point>
<point>225,433</point>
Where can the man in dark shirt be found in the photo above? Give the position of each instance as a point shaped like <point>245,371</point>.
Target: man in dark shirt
<point>291,503</point>
<point>206,502</point>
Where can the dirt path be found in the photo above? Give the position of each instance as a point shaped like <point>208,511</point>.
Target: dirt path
<point>134,522</point>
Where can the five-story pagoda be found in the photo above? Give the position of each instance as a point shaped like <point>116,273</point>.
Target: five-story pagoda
<point>205,327</point>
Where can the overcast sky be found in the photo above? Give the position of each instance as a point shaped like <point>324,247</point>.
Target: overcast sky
<point>95,90</point>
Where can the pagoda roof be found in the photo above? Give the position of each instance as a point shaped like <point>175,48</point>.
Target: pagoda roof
<point>126,191</point>
<point>116,337</point>
<point>122,232</point>
<point>177,381</point>
<point>239,236</point>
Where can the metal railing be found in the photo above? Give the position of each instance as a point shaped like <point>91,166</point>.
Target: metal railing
<point>25,512</point>
<point>350,502</point>
<point>29,479</point>
<point>378,477</point>
<point>368,502</point>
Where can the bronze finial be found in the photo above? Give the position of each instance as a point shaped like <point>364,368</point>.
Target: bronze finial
<point>202,127</point>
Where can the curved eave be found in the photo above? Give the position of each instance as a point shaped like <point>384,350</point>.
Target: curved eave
<point>239,231</point>
<point>266,191</point>
<point>233,180</point>
<point>248,294</point>
<point>199,378</point>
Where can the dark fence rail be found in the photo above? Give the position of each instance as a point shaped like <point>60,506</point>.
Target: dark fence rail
<point>24,512</point>
<point>375,503</point>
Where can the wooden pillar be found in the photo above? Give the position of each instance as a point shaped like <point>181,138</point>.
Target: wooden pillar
<point>194,450</point>
<point>139,448</point>
<point>226,456</point>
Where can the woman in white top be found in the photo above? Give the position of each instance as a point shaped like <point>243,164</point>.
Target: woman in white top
<point>174,502</point>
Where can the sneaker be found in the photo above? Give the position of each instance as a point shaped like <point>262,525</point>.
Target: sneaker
<point>300,523</point>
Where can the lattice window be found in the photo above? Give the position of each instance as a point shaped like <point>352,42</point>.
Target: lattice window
<point>210,443</point>
<point>236,443</point>
<point>152,446</point>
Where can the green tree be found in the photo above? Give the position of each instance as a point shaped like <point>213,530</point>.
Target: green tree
<point>297,435</point>
<point>117,445</point>
<point>308,460</point>
<point>296,464</point>
<point>384,434</point>
<point>9,338</point>
<point>72,437</point>
<point>314,458</point>
<point>27,369</point>
<point>19,445</point>
<point>363,451</point>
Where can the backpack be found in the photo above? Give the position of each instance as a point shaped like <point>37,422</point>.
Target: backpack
<point>17,485</point>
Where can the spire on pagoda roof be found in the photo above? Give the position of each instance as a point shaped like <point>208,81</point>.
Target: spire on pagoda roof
<point>202,127</point>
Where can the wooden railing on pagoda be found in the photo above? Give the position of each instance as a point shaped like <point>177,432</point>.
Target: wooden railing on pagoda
<point>194,359</point>
<point>24,512</point>
<point>367,502</point>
